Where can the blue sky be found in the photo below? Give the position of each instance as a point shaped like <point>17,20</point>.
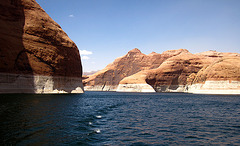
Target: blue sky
<point>107,29</point>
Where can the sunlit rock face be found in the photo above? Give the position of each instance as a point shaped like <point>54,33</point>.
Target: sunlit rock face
<point>209,72</point>
<point>135,83</point>
<point>220,77</point>
<point>35,52</point>
<point>171,75</point>
<point>129,64</point>
<point>206,73</point>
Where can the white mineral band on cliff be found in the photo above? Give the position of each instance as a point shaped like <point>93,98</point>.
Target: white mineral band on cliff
<point>135,88</point>
<point>16,83</point>
<point>215,87</point>
<point>100,88</point>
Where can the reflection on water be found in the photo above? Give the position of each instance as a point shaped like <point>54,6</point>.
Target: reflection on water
<point>109,118</point>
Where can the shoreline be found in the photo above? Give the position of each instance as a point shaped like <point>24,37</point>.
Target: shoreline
<point>223,87</point>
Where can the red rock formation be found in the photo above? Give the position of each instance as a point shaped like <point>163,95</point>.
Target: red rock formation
<point>187,69</point>
<point>171,74</point>
<point>175,71</point>
<point>226,68</point>
<point>129,64</point>
<point>171,71</point>
<point>220,77</point>
<point>32,44</point>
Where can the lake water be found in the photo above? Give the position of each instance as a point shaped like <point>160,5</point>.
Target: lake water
<point>110,118</point>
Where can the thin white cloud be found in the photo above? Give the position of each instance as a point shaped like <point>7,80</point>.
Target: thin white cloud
<point>85,58</point>
<point>85,52</point>
<point>71,16</point>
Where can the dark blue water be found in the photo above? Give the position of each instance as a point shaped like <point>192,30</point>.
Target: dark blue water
<point>109,118</point>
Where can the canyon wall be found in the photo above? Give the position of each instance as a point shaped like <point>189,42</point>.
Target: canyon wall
<point>220,77</point>
<point>37,56</point>
<point>127,65</point>
<point>209,72</point>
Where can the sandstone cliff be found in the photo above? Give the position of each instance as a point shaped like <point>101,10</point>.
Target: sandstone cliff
<point>171,71</point>
<point>220,77</point>
<point>172,74</point>
<point>35,52</point>
<point>129,64</point>
<point>135,83</point>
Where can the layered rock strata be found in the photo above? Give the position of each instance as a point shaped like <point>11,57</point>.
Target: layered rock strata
<point>127,65</point>
<point>172,75</point>
<point>221,77</point>
<point>209,72</point>
<point>135,83</point>
<point>35,52</point>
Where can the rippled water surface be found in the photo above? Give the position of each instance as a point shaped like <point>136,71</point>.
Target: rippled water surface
<point>109,118</point>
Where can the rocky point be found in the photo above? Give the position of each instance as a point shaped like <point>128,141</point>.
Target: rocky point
<point>37,56</point>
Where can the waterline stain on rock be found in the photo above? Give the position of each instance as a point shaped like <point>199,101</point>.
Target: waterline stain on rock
<point>34,45</point>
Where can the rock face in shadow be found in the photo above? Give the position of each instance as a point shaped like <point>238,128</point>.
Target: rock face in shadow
<point>35,51</point>
<point>12,21</point>
<point>171,71</point>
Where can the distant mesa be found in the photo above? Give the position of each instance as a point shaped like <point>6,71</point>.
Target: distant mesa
<point>37,56</point>
<point>179,70</point>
